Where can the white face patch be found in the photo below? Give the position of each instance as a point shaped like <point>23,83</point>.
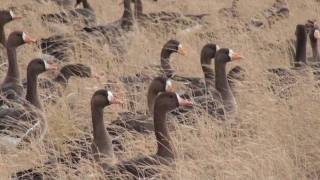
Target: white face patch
<point>217,48</point>
<point>180,46</point>
<point>12,14</point>
<point>179,98</point>
<point>46,65</point>
<point>317,34</point>
<point>24,36</point>
<point>110,96</point>
<point>168,85</point>
<point>231,53</point>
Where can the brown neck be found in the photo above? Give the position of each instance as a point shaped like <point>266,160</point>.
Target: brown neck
<point>301,46</point>
<point>207,71</point>
<point>138,9</point>
<point>32,93</point>
<point>314,46</point>
<point>223,87</point>
<point>152,94</point>
<point>13,74</point>
<point>165,63</point>
<point>102,142</point>
<point>164,142</point>
<point>127,17</point>
<point>86,5</point>
<point>2,35</point>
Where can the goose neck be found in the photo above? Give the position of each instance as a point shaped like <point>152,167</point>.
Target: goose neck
<point>13,73</point>
<point>127,17</point>
<point>301,49</point>
<point>223,87</point>
<point>165,149</point>
<point>165,62</point>
<point>2,35</point>
<point>32,93</point>
<point>138,8</point>
<point>86,5</point>
<point>101,138</point>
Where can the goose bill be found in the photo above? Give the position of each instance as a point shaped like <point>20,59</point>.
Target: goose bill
<point>181,50</point>
<point>13,16</point>
<point>50,67</point>
<point>184,102</point>
<point>112,99</point>
<point>27,39</point>
<point>236,56</point>
<point>116,100</point>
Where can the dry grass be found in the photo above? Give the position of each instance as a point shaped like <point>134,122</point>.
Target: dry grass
<point>277,139</point>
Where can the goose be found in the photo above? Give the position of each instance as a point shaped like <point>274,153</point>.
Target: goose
<point>6,16</point>
<point>171,21</point>
<point>140,122</point>
<point>22,121</point>
<point>224,56</point>
<point>285,77</point>
<point>53,88</point>
<point>11,84</point>
<point>140,166</point>
<point>216,95</point>
<point>112,34</point>
<point>116,32</point>
<point>85,15</point>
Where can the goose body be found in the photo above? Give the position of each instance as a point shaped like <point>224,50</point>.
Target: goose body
<point>114,34</point>
<point>85,14</point>
<point>283,78</point>
<point>22,121</point>
<point>171,21</point>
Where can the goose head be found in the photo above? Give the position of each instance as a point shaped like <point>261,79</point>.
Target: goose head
<point>208,52</point>
<point>39,66</point>
<point>174,46</point>
<point>226,55</point>
<point>18,38</point>
<point>7,16</point>
<point>169,101</point>
<point>162,84</point>
<point>103,98</point>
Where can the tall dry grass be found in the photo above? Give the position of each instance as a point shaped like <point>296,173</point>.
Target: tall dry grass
<point>276,138</point>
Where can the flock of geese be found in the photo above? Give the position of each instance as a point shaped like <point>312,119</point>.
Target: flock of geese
<point>22,117</point>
